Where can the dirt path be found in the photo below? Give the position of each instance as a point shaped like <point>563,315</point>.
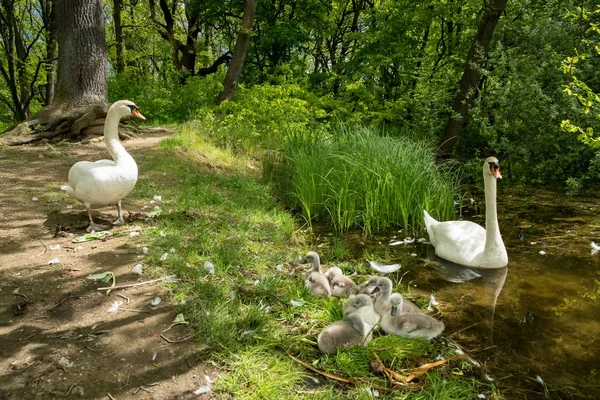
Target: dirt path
<point>57,338</point>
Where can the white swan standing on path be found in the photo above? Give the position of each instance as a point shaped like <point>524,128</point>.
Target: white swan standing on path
<point>465,242</point>
<point>105,182</point>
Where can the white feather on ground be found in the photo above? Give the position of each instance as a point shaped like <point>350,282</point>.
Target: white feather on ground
<point>384,269</point>
<point>595,248</point>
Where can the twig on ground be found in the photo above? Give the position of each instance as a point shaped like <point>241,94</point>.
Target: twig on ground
<point>337,378</point>
<point>125,297</point>
<point>134,310</point>
<point>110,396</point>
<point>59,303</point>
<point>109,354</point>
<point>45,248</point>
<point>136,284</point>
<point>28,365</point>
<point>178,340</point>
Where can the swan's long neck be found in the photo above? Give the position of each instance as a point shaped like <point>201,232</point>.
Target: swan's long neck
<point>112,142</point>
<point>493,240</point>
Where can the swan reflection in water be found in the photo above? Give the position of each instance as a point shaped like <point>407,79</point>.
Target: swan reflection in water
<point>487,282</point>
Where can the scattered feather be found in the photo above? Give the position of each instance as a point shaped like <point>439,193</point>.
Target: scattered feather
<point>487,377</point>
<point>164,257</point>
<point>157,198</point>
<point>53,261</point>
<point>156,301</point>
<point>16,291</point>
<point>69,206</point>
<point>481,396</point>
<point>171,279</point>
<point>256,282</point>
<point>542,252</point>
<point>432,302</point>
<point>532,243</point>
<point>172,250</point>
<point>297,303</point>
<point>57,246</point>
<point>115,307</point>
<point>413,254</point>
<point>153,356</point>
<point>421,240</point>
<point>409,240</point>
<point>459,351</point>
<point>540,380</point>
<point>137,269</point>
<point>133,234</point>
<point>209,267</point>
<point>384,269</point>
<point>279,267</point>
<point>151,201</point>
<point>34,199</point>
<point>145,250</point>
<point>440,357</point>
<point>204,389</point>
<point>397,242</point>
<point>595,248</point>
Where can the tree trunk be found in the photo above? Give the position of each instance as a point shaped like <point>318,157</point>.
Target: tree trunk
<point>467,90</point>
<point>117,7</point>
<point>49,18</point>
<point>81,94</point>
<point>82,65</point>
<point>239,53</point>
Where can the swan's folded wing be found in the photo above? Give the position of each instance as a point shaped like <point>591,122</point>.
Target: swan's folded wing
<point>459,241</point>
<point>82,169</point>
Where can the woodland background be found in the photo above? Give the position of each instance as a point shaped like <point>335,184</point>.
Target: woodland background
<point>314,64</point>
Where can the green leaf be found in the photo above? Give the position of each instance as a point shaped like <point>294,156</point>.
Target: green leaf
<point>103,276</point>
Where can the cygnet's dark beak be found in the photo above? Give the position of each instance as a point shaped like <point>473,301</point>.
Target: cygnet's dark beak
<point>375,290</point>
<point>394,311</point>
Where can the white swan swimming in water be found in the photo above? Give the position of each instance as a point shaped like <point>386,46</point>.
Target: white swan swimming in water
<point>106,182</point>
<point>467,243</point>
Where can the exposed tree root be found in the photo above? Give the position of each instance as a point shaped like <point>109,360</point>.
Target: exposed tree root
<point>78,123</point>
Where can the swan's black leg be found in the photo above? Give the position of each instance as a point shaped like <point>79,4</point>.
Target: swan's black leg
<point>93,226</point>
<point>119,220</point>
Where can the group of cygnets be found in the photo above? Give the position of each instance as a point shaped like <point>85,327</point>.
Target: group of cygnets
<point>368,304</point>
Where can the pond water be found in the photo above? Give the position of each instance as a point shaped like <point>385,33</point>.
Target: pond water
<point>540,316</point>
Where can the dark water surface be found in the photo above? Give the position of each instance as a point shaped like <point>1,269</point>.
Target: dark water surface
<point>540,316</point>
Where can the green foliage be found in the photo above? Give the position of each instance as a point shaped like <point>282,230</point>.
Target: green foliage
<point>583,82</point>
<point>165,99</point>
<point>260,117</point>
<point>356,178</point>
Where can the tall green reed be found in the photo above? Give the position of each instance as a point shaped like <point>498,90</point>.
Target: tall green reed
<point>357,178</point>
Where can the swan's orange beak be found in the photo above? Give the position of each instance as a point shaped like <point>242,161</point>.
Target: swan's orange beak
<point>496,173</point>
<point>136,113</point>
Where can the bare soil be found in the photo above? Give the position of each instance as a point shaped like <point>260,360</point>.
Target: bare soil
<point>57,338</point>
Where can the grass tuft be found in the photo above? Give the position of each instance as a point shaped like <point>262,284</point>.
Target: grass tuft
<point>358,178</point>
